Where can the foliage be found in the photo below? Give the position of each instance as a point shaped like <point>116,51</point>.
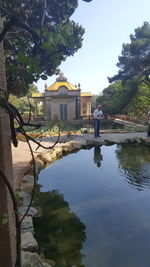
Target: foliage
<point>93,102</point>
<point>59,231</point>
<point>116,97</point>
<point>22,104</point>
<point>140,103</point>
<point>134,61</point>
<point>32,89</point>
<point>39,37</point>
<point>4,220</point>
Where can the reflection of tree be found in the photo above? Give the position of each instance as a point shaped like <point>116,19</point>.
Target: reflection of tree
<point>97,156</point>
<point>59,231</point>
<point>134,161</point>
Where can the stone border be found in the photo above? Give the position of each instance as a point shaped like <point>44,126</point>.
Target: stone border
<point>29,245</point>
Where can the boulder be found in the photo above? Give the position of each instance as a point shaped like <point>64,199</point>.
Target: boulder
<point>32,211</point>
<point>58,151</point>
<point>38,164</point>
<point>66,148</point>
<point>28,178</point>
<point>45,157</point>
<point>30,259</point>
<point>53,155</point>
<point>47,264</point>
<point>25,198</point>
<point>27,187</point>
<point>27,225</point>
<point>75,145</point>
<point>28,242</point>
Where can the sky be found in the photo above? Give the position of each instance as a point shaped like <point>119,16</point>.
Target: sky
<point>108,24</point>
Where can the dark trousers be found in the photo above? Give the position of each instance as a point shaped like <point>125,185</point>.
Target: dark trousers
<point>148,133</point>
<point>97,124</point>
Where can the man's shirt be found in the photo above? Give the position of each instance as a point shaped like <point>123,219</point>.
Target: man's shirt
<point>98,114</point>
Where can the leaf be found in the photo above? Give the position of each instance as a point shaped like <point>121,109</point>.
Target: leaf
<point>5,219</point>
<point>44,77</point>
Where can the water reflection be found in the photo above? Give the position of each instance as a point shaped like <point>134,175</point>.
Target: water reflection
<point>97,156</point>
<point>117,218</point>
<point>134,164</point>
<point>59,232</point>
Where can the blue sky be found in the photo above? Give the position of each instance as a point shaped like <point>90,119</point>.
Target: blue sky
<point>108,24</point>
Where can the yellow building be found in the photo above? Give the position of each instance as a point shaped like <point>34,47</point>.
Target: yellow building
<point>63,100</point>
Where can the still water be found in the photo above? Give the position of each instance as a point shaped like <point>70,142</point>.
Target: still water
<point>96,208</point>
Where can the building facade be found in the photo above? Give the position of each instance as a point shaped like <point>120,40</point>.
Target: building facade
<point>62,101</point>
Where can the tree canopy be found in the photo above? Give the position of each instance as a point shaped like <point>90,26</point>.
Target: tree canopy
<point>117,96</point>
<point>38,35</point>
<point>134,61</point>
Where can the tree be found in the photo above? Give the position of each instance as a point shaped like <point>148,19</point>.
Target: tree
<point>34,29</point>
<point>38,36</point>
<point>117,96</point>
<point>32,89</point>
<point>93,101</point>
<point>24,104</point>
<point>134,61</point>
<point>139,104</point>
<point>7,230</point>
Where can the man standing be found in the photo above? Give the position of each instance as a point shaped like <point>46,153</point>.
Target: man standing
<point>98,115</point>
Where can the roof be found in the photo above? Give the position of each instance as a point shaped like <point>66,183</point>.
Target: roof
<point>61,81</point>
<point>55,86</point>
<point>86,94</point>
<point>37,95</point>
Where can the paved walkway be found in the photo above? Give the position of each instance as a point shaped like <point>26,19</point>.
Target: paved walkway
<point>22,155</point>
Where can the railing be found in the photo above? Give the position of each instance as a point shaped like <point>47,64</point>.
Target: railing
<point>123,117</point>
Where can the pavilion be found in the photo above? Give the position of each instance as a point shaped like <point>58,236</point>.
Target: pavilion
<point>62,100</point>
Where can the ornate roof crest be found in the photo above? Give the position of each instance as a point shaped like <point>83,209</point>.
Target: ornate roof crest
<point>61,77</point>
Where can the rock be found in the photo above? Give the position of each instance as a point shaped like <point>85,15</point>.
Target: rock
<point>27,225</point>
<point>58,151</point>
<point>25,196</point>
<point>109,143</point>
<point>53,155</point>
<point>45,157</point>
<point>66,148</point>
<point>146,140</point>
<point>32,211</point>
<point>84,130</point>
<point>138,140</point>
<point>75,145</point>
<point>47,264</point>
<point>31,259</point>
<point>28,178</point>
<point>83,143</point>
<point>38,164</point>
<point>27,187</point>
<point>28,242</point>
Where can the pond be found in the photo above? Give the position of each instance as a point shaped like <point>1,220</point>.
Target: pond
<point>96,208</point>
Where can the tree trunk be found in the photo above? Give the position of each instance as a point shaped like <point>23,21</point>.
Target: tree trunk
<point>7,228</point>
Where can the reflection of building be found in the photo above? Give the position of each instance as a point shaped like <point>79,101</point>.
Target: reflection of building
<point>63,101</point>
